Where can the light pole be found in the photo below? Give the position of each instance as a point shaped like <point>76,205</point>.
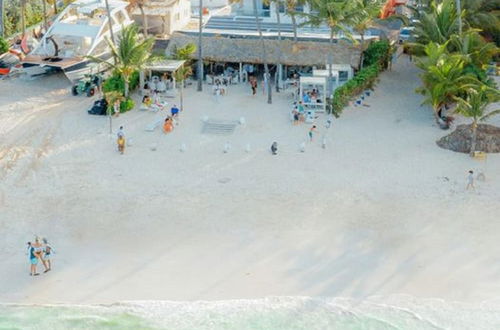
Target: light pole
<point>200,59</point>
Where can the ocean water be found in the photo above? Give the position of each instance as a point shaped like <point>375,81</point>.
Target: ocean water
<point>290,313</point>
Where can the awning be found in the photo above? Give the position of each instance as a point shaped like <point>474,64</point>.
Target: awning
<point>164,65</point>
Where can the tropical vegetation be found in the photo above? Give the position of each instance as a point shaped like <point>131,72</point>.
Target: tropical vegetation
<point>376,59</point>
<point>454,59</point>
<point>474,105</point>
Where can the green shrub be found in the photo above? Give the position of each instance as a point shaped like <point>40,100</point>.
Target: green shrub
<point>376,58</point>
<point>116,83</point>
<point>134,80</point>
<point>4,45</point>
<point>127,105</point>
<point>377,52</point>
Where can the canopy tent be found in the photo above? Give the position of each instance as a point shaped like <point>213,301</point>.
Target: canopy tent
<point>307,84</point>
<point>326,73</point>
<point>170,66</point>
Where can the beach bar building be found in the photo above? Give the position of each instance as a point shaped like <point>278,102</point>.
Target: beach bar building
<point>239,50</point>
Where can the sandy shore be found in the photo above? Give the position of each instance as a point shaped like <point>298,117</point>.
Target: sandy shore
<point>381,211</point>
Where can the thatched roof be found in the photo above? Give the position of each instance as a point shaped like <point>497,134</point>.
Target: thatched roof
<point>248,50</point>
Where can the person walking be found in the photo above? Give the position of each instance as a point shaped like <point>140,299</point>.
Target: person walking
<point>253,83</point>
<point>311,133</point>
<point>470,181</point>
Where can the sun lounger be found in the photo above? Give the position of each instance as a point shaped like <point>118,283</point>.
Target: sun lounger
<point>151,127</point>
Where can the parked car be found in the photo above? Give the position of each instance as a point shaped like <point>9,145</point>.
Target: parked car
<point>99,108</point>
<point>406,34</point>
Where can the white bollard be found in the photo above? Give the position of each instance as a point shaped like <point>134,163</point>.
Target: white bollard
<point>183,147</point>
<point>242,121</point>
<point>302,147</point>
<point>227,146</point>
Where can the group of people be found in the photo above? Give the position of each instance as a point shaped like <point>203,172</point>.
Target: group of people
<point>311,96</point>
<point>172,120</point>
<point>219,88</point>
<point>39,251</point>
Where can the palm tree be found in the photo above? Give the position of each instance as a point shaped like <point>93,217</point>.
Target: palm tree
<point>44,8</point>
<point>131,54</point>
<point>365,18</point>
<point>443,80</point>
<point>474,105</point>
<point>483,14</point>
<point>180,76</point>
<point>473,48</point>
<point>264,54</point>
<point>140,4</point>
<point>2,10</point>
<point>23,17</point>
<point>200,53</point>
<point>438,24</point>
<point>338,16</point>
<point>291,6</point>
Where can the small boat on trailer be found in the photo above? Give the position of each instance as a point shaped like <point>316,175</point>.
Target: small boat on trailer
<point>79,31</point>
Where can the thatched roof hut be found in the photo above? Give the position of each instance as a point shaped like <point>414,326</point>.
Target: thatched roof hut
<point>237,49</point>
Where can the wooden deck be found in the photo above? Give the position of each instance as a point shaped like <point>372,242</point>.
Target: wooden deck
<point>63,63</point>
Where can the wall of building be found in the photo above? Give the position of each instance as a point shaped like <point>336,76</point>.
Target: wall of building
<point>210,3</point>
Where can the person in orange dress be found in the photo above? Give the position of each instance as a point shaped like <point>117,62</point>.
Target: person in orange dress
<point>168,126</point>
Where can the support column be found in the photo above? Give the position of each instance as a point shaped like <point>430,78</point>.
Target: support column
<point>241,72</point>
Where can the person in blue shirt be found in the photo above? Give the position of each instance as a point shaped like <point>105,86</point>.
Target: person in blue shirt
<point>174,111</point>
<point>307,98</point>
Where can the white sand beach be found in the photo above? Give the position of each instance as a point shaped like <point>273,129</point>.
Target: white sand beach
<point>381,211</point>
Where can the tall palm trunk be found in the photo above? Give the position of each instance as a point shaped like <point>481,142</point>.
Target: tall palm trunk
<point>2,29</point>
<point>44,7</point>
<point>362,56</point>
<point>330,62</point>
<point>144,20</point>
<point>279,69</point>
<point>264,55</point>
<point>182,95</point>
<point>294,26</point>
<point>55,7</point>
<point>23,16</point>
<point>110,22</point>
<point>200,58</point>
<point>473,137</point>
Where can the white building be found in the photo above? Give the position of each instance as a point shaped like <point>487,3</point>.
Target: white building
<point>210,4</point>
<point>268,12</point>
<point>164,16</point>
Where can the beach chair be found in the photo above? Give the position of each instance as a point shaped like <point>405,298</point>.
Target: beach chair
<point>152,126</point>
<point>479,155</point>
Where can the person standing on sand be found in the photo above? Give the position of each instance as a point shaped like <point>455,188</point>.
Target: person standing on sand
<point>311,132</point>
<point>116,108</point>
<point>33,259</point>
<point>47,254</point>
<point>470,181</point>
<point>121,132</point>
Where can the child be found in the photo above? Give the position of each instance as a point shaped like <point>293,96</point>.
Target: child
<point>121,144</point>
<point>311,132</point>
<point>470,180</point>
